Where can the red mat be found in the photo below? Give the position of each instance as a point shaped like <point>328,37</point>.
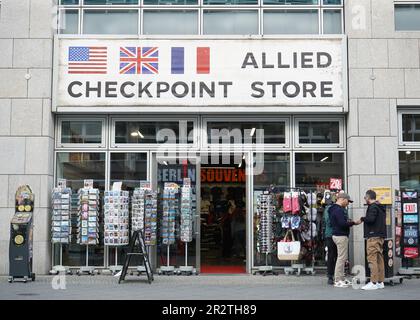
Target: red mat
<point>222,269</point>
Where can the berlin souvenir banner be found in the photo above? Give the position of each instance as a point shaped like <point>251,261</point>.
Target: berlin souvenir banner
<point>199,72</point>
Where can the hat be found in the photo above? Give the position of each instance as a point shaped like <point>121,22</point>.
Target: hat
<point>343,195</point>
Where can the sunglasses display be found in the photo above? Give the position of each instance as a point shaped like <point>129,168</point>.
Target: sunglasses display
<point>265,226</point>
<point>144,212</point>
<point>61,209</point>
<point>116,218</point>
<point>88,216</point>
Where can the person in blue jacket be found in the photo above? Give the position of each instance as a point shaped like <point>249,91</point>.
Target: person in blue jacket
<point>341,225</point>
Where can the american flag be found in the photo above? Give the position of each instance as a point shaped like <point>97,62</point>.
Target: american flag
<point>87,60</point>
<point>139,60</point>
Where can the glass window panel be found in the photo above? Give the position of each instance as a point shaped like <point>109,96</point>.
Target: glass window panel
<point>110,22</point>
<point>81,132</point>
<point>332,2</point>
<point>170,2</point>
<point>230,2</point>
<point>230,22</point>
<point>407,17</point>
<point>411,127</point>
<point>314,170</point>
<point>69,2</point>
<point>291,22</point>
<point>410,175</point>
<point>110,2</point>
<point>274,132</point>
<point>176,22</point>
<point>146,132</point>
<point>129,168</point>
<point>332,22</point>
<point>270,170</point>
<point>319,132</point>
<point>76,167</point>
<point>291,2</point>
<point>69,22</point>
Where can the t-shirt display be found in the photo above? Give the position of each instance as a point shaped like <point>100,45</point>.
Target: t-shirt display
<point>60,219</point>
<point>88,216</point>
<point>116,218</point>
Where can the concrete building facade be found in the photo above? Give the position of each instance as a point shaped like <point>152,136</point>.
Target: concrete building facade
<point>382,65</point>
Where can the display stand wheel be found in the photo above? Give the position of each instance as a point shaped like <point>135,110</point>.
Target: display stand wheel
<point>25,279</point>
<point>10,279</point>
<point>33,276</point>
<point>401,280</point>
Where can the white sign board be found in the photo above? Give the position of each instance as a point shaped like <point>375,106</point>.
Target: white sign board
<point>200,72</point>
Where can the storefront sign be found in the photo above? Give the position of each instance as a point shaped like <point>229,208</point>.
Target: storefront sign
<point>223,175</point>
<point>410,208</point>
<point>175,174</point>
<point>336,184</point>
<point>383,195</point>
<point>200,72</point>
<point>411,218</point>
<point>411,253</point>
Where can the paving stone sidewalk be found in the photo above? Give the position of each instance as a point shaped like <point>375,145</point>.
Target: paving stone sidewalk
<point>220,287</point>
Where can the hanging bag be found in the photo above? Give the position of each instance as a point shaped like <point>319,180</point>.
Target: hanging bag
<point>288,250</point>
<point>287,202</point>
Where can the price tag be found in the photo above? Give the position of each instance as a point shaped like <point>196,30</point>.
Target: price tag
<point>88,184</point>
<point>336,184</point>
<point>116,186</point>
<point>61,183</point>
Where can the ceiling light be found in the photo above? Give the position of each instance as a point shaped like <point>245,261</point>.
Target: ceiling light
<point>323,159</point>
<point>134,134</point>
<point>165,163</point>
<point>408,152</point>
<point>252,132</point>
<point>140,134</point>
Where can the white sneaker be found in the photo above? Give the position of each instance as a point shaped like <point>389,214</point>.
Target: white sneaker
<point>341,284</point>
<point>380,285</point>
<point>370,286</point>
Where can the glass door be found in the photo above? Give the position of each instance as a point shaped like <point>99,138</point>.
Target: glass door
<point>172,169</point>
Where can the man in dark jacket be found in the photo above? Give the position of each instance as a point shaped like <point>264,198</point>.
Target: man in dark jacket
<point>375,232</point>
<point>330,245</point>
<point>341,230</point>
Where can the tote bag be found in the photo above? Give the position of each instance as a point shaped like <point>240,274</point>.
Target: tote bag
<point>288,250</point>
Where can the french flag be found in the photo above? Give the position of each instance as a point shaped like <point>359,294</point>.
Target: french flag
<point>202,60</point>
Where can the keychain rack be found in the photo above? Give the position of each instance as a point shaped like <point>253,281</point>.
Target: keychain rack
<point>60,223</point>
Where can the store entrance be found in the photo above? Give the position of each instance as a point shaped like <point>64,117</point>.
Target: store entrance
<point>223,217</point>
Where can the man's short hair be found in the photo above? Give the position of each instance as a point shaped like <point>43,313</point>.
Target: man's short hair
<point>371,194</point>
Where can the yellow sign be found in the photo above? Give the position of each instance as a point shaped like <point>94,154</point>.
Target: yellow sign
<point>383,195</point>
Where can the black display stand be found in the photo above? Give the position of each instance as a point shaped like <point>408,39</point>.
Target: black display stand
<point>141,251</point>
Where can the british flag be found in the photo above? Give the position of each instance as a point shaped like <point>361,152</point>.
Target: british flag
<point>139,60</point>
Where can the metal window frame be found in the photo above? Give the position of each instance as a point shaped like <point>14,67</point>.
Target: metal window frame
<point>205,145</point>
<point>155,146</point>
<point>260,7</point>
<point>401,142</point>
<point>74,146</point>
<point>106,176</point>
<point>319,146</point>
<point>232,9</point>
<point>332,9</point>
